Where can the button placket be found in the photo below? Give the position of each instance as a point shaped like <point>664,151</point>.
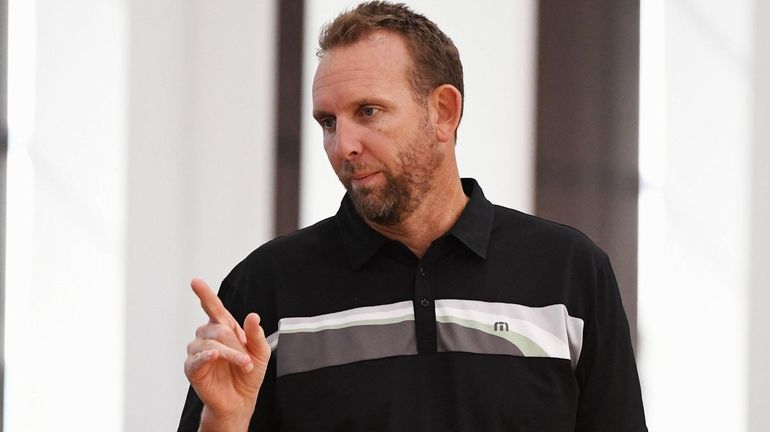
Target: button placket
<point>425,314</point>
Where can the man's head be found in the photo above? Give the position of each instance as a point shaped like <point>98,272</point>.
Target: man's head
<point>389,131</point>
<point>435,59</point>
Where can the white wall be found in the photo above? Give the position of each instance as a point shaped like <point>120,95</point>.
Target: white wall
<point>199,178</point>
<point>145,160</point>
<point>65,280</point>
<point>703,262</point>
<point>496,135</point>
<point>759,228</point>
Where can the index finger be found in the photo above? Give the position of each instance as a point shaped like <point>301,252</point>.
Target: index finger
<point>210,303</point>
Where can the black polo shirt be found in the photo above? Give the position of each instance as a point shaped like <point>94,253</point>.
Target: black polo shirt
<point>508,323</point>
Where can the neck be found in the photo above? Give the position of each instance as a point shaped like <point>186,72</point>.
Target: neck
<point>434,217</point>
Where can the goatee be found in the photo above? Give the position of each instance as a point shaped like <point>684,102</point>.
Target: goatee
<point>388,205</point>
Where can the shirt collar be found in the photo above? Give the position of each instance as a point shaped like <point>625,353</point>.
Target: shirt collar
<point>473,228</point>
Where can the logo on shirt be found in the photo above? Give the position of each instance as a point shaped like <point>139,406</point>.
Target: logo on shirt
<point>501,326</point>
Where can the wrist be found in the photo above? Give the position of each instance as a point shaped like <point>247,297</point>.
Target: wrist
<point>232,422</point>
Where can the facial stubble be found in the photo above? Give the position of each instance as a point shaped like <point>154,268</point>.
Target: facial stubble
<point>404,189</point>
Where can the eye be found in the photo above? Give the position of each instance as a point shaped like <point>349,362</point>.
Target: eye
<point>369,111</point>
<point>328,123</point>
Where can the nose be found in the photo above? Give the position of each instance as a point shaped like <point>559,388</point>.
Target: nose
<point>347,139</point>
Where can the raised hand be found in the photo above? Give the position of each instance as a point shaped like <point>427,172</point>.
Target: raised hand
<point>226,364</point>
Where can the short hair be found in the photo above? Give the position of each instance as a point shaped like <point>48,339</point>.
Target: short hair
<point>435,58</point>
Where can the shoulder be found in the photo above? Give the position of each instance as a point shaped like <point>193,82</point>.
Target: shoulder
<point>307,243</point>
<point>554,263</point>
<point>541,237</point>
<point>324,234</point>
<point>253,284</point>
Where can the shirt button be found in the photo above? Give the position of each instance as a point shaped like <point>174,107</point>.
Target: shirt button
<point>425,302</point>
<point>422,271</point>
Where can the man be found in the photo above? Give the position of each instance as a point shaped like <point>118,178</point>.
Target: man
<point>419,305</point>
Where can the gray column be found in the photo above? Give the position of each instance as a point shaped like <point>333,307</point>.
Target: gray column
<point>587,127</point>
<point>288,141</point>
<point>3,161</point>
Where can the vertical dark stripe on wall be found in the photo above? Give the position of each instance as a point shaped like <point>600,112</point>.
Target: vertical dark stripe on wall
<point>587,127</point>
<point>3,165</point>
<point>289,114</point>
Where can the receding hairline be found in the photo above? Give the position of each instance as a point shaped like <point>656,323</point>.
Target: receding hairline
<point>374,37</point>
<point>411,72</point>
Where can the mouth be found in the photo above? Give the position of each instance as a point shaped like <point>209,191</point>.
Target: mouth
<point>363,179</point>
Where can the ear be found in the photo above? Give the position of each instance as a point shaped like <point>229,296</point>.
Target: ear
<point>447,103</point>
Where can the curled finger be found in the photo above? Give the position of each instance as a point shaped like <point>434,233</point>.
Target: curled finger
<point>195,361</point>
<point>233,356</point>
<point>222,333</point>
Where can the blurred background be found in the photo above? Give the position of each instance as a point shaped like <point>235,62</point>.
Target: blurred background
<point>145,142</point>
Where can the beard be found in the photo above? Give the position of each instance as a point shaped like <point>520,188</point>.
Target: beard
<point>404,188</point>
<point>386,205</point>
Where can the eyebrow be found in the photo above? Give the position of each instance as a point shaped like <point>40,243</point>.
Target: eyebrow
<point>318,115</point>
<point>368,100</point>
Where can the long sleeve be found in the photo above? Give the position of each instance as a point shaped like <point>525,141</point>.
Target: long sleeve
<point>610,394</point>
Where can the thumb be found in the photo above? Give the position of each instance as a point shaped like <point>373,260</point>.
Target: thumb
<point>256,343</point>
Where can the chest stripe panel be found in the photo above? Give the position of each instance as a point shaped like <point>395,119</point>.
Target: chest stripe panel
<point>374,332</point>
<point>547,331</point>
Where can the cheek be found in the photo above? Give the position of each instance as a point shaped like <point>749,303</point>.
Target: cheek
<point>334,160</point>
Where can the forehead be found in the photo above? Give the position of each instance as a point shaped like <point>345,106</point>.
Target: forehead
<point>378,62</point>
